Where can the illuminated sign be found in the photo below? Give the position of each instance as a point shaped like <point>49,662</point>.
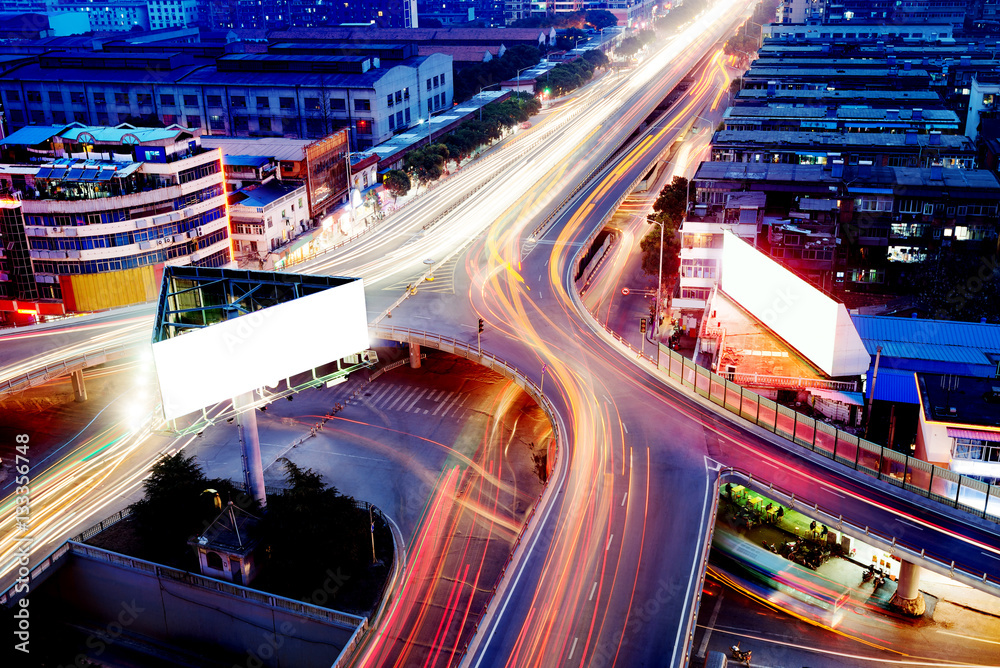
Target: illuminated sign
<point>807,319</point>
<point>205,366</point>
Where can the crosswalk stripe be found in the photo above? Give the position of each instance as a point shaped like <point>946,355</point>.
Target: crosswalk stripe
<point>442,403</point>
<point>415,400</point>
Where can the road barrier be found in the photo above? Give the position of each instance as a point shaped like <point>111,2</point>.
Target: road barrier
<point>891,544</point>
<point>76,363</point>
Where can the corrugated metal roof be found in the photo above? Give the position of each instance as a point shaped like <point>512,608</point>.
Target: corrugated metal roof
<point>927,336</point>
<point>893,385</point>
<point>974,434</point>
<point>31,135</point>
<point>941,352</point>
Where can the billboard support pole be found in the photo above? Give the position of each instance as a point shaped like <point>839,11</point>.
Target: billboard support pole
<point>253,466</point>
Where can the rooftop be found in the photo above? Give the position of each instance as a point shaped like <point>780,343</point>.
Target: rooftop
<point>262,195</point>
<point>269,147</point>
<point>960,399</point>
<point>245,160</point>
<point>844,113</point>
<point>925,96</point>
<point>777,140</point>
<point>956,179</point>
<point>938,340</point>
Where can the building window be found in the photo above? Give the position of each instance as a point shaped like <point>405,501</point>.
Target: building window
<point>77,97</point>
<point>214,100</point>
<point>392,122</point>
<point>289,126</point>
<point>241,123</point>
<point>407,115</point>
<point>13,96</point>
<point>190,100</point>
<point>264,124</point>
<point>436,84</point>
<point>193,122</point>
<point>263,103</point>
<point>701,294</point>
<point>364,127</point>
<point>121,98</point>
<point>55,97</point>
<point>428,84</point>
<point>430,106</point>
<point>362,104</point>
<point>874,203</point>
<point>238,102</point>
<point>167,100</point>
<point>99,99</point>
<point>312,103</point>
<point>698,267</point>
<point>17,116</point>
<point>215,122</point>
<point>169,119</point>
<point>338,104</point>
<point>388,100</point>
<point>286,103</point>
<point>58,117</point>
<point>314,127</point>
<point>34,96</point>
<point>144,99</point>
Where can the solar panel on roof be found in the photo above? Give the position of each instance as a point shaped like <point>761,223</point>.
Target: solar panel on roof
<point>74,173</point>
<point>89,175</point>
<point>58,172</point>
<point>43,173</point>
<point>106,175</point>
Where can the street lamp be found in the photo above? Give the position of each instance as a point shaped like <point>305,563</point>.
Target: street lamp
<point>519,76</point>
<point>483,104</point>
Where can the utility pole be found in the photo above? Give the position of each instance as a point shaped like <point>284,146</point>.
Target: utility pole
<point>871,395</point>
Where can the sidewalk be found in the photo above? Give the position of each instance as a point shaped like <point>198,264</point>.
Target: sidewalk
<point>948,602</point>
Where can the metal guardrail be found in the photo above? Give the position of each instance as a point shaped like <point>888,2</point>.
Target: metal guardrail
<point>891,543</point>
<point>50,371</point>
<point>455,347</point>
<point>792,381</point>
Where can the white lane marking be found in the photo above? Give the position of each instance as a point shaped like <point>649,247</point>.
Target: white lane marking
<point>959,635</point>
<point>915,526</point>
<point>592,590</point>
<point>832,492</point>
<point>992,556</point>
<point>415,400</point>
<point>624,497</point>
<point>608,546</point>
<point>442,402</point>
<point>451,404</point>
<point>625,427</point>
<point>572,649</point>
<point>708,629</point>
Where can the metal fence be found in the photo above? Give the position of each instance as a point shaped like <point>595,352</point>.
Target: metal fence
<point>910,473</point>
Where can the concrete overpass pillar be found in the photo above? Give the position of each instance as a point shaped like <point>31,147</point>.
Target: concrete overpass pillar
<point>414,355</point>
<point>908,599</point>
<point>253,466</point>
<point>79,389</point>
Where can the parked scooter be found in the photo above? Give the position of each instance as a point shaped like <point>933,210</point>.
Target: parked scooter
<point>743,656</point>
<point>868,574</point>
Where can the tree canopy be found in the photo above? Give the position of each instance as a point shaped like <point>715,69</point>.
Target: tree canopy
<point>471,78</point>
<point>566,77</point>
<point>670,207</point>
<point>397,183</point>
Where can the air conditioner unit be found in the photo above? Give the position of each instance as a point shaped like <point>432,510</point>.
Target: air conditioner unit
<point>159,242</point>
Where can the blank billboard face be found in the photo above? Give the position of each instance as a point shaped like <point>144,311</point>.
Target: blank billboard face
<point>205,366</point>
<point>811,322</point>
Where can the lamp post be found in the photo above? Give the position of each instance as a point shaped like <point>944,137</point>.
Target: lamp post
<point>483,105</point>
<point>518,77</point>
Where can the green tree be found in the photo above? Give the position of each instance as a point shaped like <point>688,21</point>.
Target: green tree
<point>601,18</point>
<point>671,204</point>
<point>396,182</point>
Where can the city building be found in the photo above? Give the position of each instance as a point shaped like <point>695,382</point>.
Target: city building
<point>321,165</point>
<point>856,31</point>
<point>278,14</point>
<point>245,170</point>
<point>775,117</point>
<point>846,97</point>
<point>171,13</point>
<point>280,95</point>
<point>801,11</point>
<point>264,217</point>
<point>876,222</point>
<point>855,148</point>
<point>701,243</point>
<point>104,208</point>
<point>959,424</point>
<point>118,16</point>
<point>904,346</point>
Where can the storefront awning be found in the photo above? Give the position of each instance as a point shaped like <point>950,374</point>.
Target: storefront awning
<point>974,434</point>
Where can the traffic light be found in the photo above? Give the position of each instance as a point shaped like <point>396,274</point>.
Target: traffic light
<point>480,325</point>
<point>642,325</point>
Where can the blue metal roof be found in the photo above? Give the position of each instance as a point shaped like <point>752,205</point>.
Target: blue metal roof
<point>941,340</point>
<point>895,385</point>
<point>260,196</point>
<point>31,135</point>
<point>245,160</point>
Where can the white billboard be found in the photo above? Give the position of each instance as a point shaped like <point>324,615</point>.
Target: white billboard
<point>205,366</point>
<point>811,322</point>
